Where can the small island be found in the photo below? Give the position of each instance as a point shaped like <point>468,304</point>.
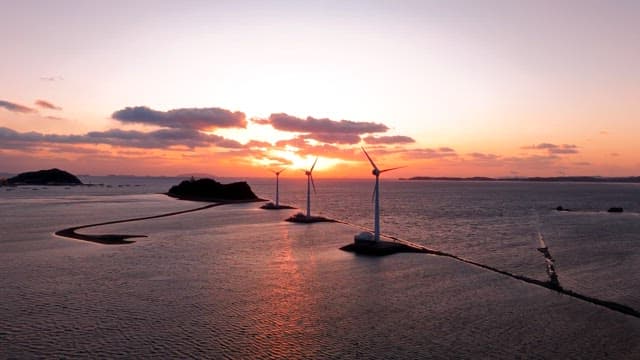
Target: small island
<point>44,177</point>
<point>213,191</point>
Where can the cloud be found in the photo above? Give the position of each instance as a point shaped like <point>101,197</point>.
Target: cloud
<point>334,138</point>
<point>325,149</point>
<point>331,151</point>
<point>566,149</point>
<point>374,140</point>
<point>483,157</point>
<point>186,118</point>
<point>427,153</point>
<point>51,78</point>
<point>47,105</point>
<point>16,107</point>
<point>159,139</point>
<point>286,122</point>
<point>541,146</point>
<point>411,154</point>
<point>260,121</point>
<point>298,142</point>
<point>258,144</point>
<point>533,161</point>
<point>554,149</point>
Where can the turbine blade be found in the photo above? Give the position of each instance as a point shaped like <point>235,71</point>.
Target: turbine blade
<point>369,157</point>
<point>395,168</point>
<point>373,194</point>
<point>314,164</point>
<point>313,184</point>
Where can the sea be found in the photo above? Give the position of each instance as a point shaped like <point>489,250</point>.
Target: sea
<point>238,282</point>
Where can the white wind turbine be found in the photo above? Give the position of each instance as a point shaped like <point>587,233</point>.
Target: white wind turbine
<point>309,184</point>
<point>278,185</point>
<point>376,196</point>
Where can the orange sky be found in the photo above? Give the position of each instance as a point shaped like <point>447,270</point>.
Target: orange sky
<point>461,88</point>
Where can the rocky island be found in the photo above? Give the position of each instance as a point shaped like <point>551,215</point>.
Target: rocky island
<point>211,190</point>
<point>44,177</point>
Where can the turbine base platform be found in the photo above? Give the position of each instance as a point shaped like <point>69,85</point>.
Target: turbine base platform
<point>272,206</point>
<point>304,219</point>
<point>380,248</point>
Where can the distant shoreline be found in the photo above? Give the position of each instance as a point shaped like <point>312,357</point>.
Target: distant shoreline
<point>586,179</point>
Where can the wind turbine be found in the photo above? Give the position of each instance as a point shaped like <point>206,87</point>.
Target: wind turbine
<point>376,195</point>
<point>278,185</point>
<point>309,184</point>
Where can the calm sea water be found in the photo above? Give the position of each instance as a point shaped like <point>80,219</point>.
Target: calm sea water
<point>237,282</point>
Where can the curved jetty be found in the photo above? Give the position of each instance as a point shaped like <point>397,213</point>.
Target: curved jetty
<point>120,239</point>
<point>211,190</point>
<point>44,177</point>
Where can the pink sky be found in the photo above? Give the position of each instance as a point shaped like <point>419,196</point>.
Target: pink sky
<point>456,88</point>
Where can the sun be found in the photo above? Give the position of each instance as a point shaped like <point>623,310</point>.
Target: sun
<point>290,158</point>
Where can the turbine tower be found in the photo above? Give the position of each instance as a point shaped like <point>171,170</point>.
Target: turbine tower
<point>309,184</point>
<point>376,196</point>
<point>278,186</point>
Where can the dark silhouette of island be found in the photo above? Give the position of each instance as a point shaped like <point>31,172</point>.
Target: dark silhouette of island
<point>44,177</point>
<point>211,190</point>
<point>598,179</point>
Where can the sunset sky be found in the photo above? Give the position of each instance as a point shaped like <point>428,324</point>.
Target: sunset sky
<point>234,88</point>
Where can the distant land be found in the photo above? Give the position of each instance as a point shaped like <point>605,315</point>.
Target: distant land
<point>196,175</point>
<point>44,177</point>
<point>591,179</point>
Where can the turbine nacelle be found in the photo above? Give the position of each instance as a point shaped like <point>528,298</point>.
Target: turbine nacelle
<point>309,184</point>
<point>279,172</point>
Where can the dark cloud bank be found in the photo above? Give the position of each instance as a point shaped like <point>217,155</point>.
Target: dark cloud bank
<point>158,139</point>
<point>187,118</point>
<point>15,107</point>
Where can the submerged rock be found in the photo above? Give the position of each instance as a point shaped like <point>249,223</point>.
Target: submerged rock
<point>211,190</point>
<point>44,177</point>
